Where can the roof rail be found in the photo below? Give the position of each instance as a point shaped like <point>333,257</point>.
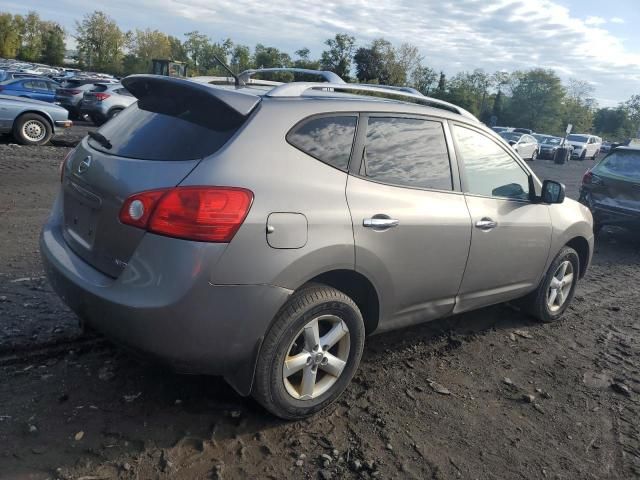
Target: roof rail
<point>392,87</point>
<point>328,76</point>
<point>297,89</point>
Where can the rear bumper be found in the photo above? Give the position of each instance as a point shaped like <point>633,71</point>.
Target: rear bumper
<point>610,215</point>
<point>167,308</point>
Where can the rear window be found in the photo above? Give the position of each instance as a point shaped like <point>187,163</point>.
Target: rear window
<point>170,128</point>
<point>99,88</point>
<point>621,164</point>
<point>329,139</point>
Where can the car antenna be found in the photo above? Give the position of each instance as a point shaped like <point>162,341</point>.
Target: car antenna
<point>238,82</point>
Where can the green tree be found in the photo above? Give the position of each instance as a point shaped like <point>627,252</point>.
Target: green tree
<point>579,105</point>
<point>337,58</point>
<point>613,123</point>
<point>177,50</point>
<point>145,45</point>
<point>53,46</point>
<point>196,48</point>
<point>536,101</point>
<point>424,79</point>
<point>241,58</point>
<point>101,43</point>
<point>270,57</point>
<point>10,35</point>
<point>442,86</point>
<point>304,61</point>
<point>633,111</point>
<point>382,63</point>
<point>31,48</point>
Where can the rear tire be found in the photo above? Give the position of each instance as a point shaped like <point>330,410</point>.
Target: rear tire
<point>114,112</point>
<point>293,379</point>
<point>542,303</point>
<point>32,129</point>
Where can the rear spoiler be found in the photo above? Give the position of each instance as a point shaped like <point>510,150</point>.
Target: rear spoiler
<point>173,89</point>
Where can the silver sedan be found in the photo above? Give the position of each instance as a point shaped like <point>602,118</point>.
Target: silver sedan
<point>31,122</point>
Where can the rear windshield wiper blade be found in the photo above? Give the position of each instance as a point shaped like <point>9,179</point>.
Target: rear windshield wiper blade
<point>101,139</point>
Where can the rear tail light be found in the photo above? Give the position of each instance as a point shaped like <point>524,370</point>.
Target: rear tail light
<point>590,179</point>
<point>101,96</point>
<point>205,214</point>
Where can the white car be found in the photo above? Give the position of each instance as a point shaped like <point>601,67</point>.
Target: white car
<point>526,145</point>
<point>584,145</point>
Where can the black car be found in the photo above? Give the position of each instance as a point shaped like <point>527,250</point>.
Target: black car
<point>549,145</point>
<point>611,189</point>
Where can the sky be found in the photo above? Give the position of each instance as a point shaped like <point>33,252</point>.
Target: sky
<point>593,40</point>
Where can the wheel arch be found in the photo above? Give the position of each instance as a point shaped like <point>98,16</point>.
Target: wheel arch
<point>359,288</point>
<point>581,246</point>
<point>37,112</point>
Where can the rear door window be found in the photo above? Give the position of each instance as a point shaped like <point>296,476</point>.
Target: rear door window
<point>329,139</point>
<point>407,152</point>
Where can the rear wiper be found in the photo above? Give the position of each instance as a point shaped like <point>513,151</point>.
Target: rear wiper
<point>101,139</point>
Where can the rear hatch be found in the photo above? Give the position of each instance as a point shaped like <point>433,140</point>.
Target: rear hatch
<point>153,144</point>
<point>615,183</point>
<point>95,94</point>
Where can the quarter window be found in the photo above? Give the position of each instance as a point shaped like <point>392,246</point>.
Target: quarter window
<point>490,170</point>
<point>408,152</point>
<point>329,139</point>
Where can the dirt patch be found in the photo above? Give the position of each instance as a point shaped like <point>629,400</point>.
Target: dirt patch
<point>488,394</point>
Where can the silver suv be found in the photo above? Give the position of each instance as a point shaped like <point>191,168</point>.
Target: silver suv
<point>104,101</point>
<point>261,233</point>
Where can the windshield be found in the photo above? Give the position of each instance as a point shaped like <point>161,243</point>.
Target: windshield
<point>551,140</point>
<point>624,164</point>
<point>511,136</point>
<point>578,138</point>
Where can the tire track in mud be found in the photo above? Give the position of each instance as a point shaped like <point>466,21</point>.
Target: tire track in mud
<point>54,349</point>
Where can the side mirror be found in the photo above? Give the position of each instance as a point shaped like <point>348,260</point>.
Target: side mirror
<point>512,143</point>
<point>552,192</point>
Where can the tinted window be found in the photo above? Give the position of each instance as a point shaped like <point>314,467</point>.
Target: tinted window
<point>490,171</point>
<point>328,139</point>
<point>161,128</point>
<point>622,164</point>
<point>578,138</point>
<point>29,85</point>
<point>406,151</point>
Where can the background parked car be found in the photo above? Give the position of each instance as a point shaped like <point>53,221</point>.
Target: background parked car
<point>584,145</point>
<point>35,88</point>
<point>105,101</point>
<point>31,122</point>
<point>523,130</point>
<point>524,144</point>
<point>547,146</point>
<point>611,189</point>
<point>70,94</point>
<point>501,129</point>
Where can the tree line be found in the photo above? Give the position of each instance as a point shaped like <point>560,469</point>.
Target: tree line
<point>535,98</point>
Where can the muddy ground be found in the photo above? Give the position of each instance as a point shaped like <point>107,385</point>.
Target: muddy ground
<point>519,399</point>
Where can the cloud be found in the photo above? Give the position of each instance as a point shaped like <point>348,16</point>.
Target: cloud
<point>452,35</point>
<point>594,21</point>
<point>616,20</point>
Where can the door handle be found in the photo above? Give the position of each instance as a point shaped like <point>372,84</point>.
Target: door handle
<point>486,224</point>
<point>378,223</point>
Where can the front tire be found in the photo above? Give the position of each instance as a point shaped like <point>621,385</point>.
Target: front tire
<point>32,129</point>
<point>554,294</point>
<point>534,155</point>
<point>310,354</point>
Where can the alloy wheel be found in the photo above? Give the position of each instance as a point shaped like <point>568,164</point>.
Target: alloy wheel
<point>34,130</point>
<point>560,286</point>
<point>316,358</point>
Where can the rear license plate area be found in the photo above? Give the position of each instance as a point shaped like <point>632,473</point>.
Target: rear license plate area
<point>80,215</point>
